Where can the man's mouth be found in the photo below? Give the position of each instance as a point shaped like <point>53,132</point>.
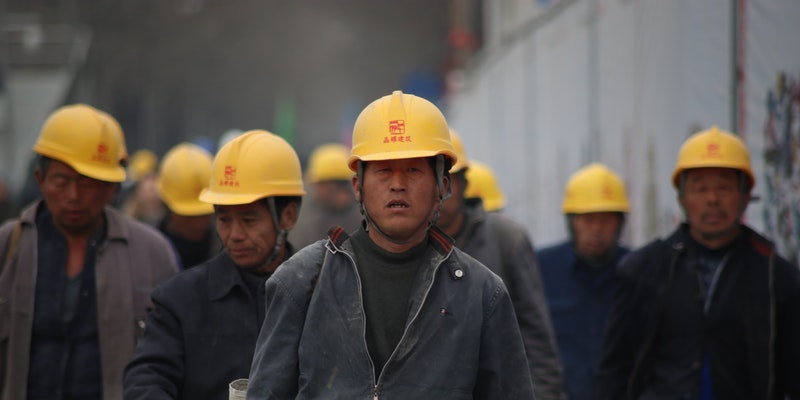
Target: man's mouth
<point>397,204</point>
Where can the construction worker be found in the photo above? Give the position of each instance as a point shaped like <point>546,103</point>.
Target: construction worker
<point>712,310</point>
<point>505,247</point>
<point>393,311</point>
<point>76,273</point>
<point>189,223</point>
<point>482,184</point>
<point>333,202</point>
<point>139,198</point>
<point>30,191</point>
<point>578,274</point>
<point>202,332</point>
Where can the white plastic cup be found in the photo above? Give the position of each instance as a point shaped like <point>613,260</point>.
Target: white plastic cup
<point>237,390</point>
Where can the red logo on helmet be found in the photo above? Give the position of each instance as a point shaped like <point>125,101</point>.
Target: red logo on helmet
<point>397,127</point>
<point>230,173</point>
<point>102,153</point>
<point>608,193</point>
<point>712,150</point>
<point>230,177</point>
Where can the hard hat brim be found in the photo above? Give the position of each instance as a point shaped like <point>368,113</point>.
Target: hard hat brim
<point>101,173</point>
<point>399,155</point>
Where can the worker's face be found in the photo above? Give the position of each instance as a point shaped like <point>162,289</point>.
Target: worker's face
<point>713,201</point>
<point>76,201</point>
<point>400,197</point>
<point>248,234</point>
<point>451,208</point>
<point>595,234</point>
<point>334,196</point>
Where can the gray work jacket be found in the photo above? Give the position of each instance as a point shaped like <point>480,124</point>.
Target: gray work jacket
<point>131,262</point>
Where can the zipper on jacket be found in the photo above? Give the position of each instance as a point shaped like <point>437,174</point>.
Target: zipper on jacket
<point>363,325</point>
<point>376,383</point>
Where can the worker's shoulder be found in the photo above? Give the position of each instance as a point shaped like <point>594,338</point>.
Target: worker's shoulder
<point>121,226</point>
<point>470,267</point>
<point>505,223</point>
<point>304,265</point>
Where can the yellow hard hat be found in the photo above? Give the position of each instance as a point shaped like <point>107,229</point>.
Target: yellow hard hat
<point>713,148</point>
<point>594,188</point>
<point>76,135</point>
<point>328,162</point>
<point>185,171</point>
<point>400,126</point>
<point>143,162</point>
<point>458,146</point>
<point>113,125</point>
<point>482,183</point>
<point>252,166</point>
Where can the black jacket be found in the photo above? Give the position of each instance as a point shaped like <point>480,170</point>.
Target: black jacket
<point>199,337</point>
<point>658,334</point>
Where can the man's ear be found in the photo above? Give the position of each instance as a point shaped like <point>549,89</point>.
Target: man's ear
<point>446,187</point>
<point>357,188</point>
<point>289,216</point>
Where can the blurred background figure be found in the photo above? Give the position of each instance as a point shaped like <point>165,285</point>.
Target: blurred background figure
<point>139,198</point>
<point>76,273</point>
<point>505,247</point>
<point>579,273</point>
<point>332,201</point>
<point>482,184</point>
<point>188,222</point>
<point>8,207</point>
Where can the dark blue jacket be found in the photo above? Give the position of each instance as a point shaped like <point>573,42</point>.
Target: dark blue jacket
<point>461,339</point>
<point>199,337</point>
<point>579,298</point>
<point>658,334</point>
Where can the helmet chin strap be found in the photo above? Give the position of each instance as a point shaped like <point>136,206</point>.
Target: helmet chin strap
<point>369,222</point>
<point>280,238</point>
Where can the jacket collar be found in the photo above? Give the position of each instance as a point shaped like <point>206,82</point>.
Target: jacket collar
<point>680,237</point>
<point>115,220</point>
<point>223,276</point>
<point>436,237</point>
<point>440,240</point>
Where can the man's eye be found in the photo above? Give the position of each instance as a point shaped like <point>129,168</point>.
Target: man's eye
<point>60,181</point>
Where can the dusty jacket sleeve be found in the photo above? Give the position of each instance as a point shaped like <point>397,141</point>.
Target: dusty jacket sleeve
<point>502,372</point>
<point>274,373</point>
<point>520,272</point>
<point>157,370</point>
